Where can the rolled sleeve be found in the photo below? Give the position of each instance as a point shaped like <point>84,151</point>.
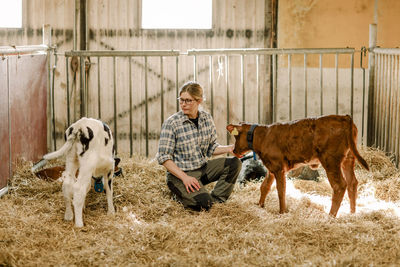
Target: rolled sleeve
<point>213,142</point>
<point>166,144</point>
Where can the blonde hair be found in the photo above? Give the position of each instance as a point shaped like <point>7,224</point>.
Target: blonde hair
<point>193,88</point>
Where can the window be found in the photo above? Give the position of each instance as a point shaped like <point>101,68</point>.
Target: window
<point>10,13</point>
<point>176,14</point>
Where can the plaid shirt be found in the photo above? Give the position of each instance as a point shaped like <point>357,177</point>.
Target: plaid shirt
<point>183,143</point>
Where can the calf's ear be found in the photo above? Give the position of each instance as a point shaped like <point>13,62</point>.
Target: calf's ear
<point>232,129</point>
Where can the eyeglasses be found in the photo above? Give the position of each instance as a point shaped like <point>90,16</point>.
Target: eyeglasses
<point>187,101</point>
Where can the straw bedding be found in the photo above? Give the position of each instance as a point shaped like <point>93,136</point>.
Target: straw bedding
<point>151,229</point>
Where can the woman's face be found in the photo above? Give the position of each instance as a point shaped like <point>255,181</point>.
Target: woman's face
<point>189,105</point>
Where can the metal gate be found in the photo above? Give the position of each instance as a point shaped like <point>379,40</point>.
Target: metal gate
<point>23,106</point>
<point>386,103</point>
<point>255,85</point>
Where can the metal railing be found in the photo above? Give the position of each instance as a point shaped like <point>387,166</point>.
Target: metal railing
<point>267,82</point>
<point>386,110</point>
<point>84,92</point>
<point>273,54</point>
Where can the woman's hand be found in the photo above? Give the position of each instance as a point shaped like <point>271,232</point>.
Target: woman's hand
<point>224,149</point>
<point>191,183</point>
<point>230,149</point>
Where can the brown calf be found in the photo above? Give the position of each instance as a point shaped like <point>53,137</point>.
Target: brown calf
<point>327,140</point>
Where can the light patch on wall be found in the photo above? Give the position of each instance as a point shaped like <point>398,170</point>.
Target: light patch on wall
<point>177,14</point>
<point>10,13</point>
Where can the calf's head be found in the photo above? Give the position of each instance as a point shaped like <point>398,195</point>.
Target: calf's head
<point>240,134</point>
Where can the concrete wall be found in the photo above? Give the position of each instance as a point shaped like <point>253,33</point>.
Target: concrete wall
<point>339,23</point>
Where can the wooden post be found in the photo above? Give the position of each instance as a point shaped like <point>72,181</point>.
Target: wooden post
<point>46,34</point>
<point>371,86</point>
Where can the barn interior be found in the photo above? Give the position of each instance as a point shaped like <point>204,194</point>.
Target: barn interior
<point>260,61</point>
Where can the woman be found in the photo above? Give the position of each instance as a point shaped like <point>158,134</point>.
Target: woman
<point>188,138</point>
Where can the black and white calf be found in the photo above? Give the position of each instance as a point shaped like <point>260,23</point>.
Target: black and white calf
<point>89,149</point>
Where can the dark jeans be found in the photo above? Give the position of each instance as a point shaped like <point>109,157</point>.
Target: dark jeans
<point>224,171</point>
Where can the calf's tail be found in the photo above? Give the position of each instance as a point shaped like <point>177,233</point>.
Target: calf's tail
<point>71,134</point>
<point>56,154</point>
<point>353,147</point>
<point>53,155</point>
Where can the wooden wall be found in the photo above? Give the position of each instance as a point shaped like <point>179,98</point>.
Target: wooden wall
<point>115,25</point>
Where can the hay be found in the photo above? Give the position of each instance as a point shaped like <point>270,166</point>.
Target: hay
<point>151,229</point>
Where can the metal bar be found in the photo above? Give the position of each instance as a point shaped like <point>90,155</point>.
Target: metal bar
<point>389,106</point>
<point>363,98</point>
<point>53,113</point>
<point>121,53</point>
<point>176,82</point>
<point>274,87</point>
<point>397,85</point>
<point>387,103</point>
<point>394,110</point>
<point>130,109</point>
<point>290,85</point>
<point>3,191</point>
<point>81,74</point>
<point>50,104</point>
<point>387,90</point>
<point>211,86</point>
<point>321,85</point>
<point>162,88</point>
<point>337,81</point>
<point>86,90</point>
<point>227,96</point>
<point>98,89</point>
<point>23,50</point>
<point>243,87</point>
<point>115,103</point>
<point>375,101</point>
<point>371,122</point>
<point>68,100</point>
<point>379,100</point>
<point>258,89</point>
<point>270,51</point>
<point>352,85</point>
<point>195,68</point>
<point>384,103</point>
<point>146,105</point>
<point>305,87</point>
<point>386,51</point>
<point>9,119</point>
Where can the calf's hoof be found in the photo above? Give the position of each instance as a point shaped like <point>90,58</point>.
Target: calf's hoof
<point>78,223</point>
<point>68,216</point>
<point>111,211</point>
<point>261,204</point>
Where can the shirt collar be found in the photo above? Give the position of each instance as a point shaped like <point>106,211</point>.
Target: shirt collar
<point>183,117</point>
